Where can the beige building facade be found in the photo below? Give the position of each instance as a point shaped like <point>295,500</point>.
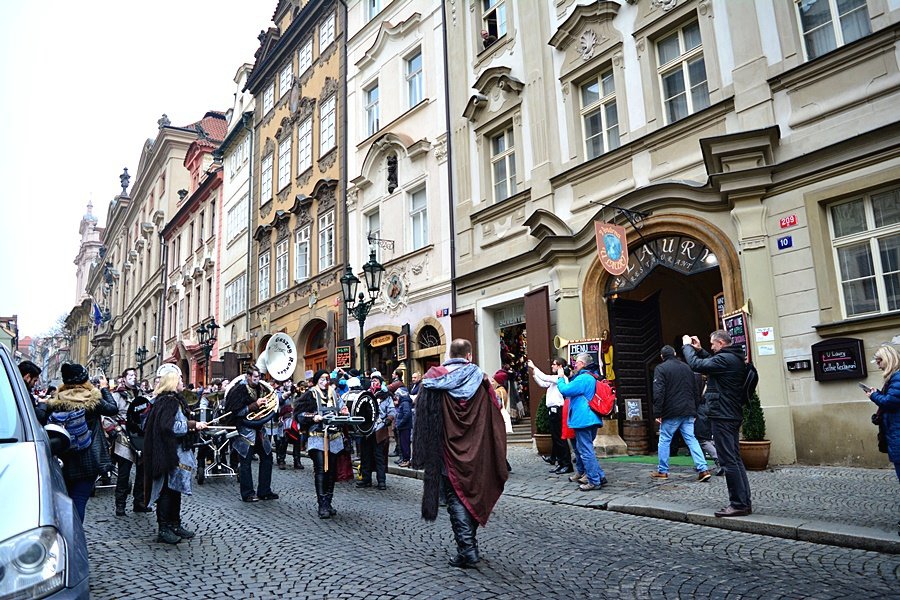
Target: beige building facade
<point>748,149</point>
<point>399,192</point>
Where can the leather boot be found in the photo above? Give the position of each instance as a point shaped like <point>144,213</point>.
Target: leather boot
<point>167,535</point>
<point>324,513</point>
<point>120,508</point>
<point>183,533</point>
<point>463,531</point>
<point>329,493</point>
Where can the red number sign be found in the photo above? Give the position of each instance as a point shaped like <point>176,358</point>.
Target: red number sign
<point>788,221</point>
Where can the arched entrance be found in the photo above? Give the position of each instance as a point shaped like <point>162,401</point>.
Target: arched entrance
<point>315,354</point>
<point>683,272</point>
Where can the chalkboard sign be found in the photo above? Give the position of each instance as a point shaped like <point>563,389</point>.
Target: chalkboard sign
<point>719,303</point>
<point>840,358</point>
<point>343,357</point>
<point>591,346</point>
<point>402,347</point>
<point>737,326</point>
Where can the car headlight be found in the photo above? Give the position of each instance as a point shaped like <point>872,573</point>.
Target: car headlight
<point>32,564</point>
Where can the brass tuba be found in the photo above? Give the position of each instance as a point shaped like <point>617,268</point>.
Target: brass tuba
<point>279,360</point>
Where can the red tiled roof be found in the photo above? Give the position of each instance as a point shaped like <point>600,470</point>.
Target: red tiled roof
<point>214,124</point>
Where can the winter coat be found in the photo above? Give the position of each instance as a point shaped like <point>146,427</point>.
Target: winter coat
<point>580,391</point>
<point>84,464</point>
<point>888,402</point>
<point>725,371</point>
<point>675,391</point>
<point>404,410</point>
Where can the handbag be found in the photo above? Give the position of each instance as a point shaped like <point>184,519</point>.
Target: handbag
<point>882,432</point>
<point>382,435</point>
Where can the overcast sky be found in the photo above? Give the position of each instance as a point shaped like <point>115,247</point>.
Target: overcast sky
<point>83,86</point>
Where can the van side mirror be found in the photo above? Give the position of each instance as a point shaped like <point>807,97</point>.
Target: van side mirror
<point>60,440</point>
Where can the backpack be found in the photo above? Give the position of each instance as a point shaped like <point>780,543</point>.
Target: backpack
<point>751,378</point>
<point>76,424</point>
<point>603,401</point>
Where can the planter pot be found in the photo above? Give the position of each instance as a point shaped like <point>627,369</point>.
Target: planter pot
<point>755,454</point>
<point>544,443</point>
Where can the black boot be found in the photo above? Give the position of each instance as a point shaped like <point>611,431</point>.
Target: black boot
<point>120,508</point>
<point>329,493</point>
<point>463,531</point>
<point>183,533</point>
<point>167,535</point>
<point>324,513</point>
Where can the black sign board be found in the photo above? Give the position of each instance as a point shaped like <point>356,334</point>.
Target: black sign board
<point>592,347</point>
<point>840,358</point>
<point>719,301</point>
<point>343,357</point>
<point>402,347</point>
<point>737,326</point>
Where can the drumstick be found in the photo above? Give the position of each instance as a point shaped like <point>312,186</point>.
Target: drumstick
<point>221,427</point>
<point>219,418</point>
<point>325,437</point>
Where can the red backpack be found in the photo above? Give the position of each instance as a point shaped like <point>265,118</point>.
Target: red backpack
<point>604,400</point>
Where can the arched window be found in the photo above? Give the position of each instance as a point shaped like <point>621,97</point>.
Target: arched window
<point>428,337</point>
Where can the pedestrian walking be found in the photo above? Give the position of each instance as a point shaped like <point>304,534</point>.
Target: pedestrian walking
<point>675,399</point>
<point>582,419</point>
<point>169,455</point>
<point>460,441</point>
<point>887,399</point>
<point>78,406</point>
<point>560,455</point>
<point>726,371</point>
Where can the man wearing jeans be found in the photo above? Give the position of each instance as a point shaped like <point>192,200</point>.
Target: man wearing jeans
<point>675,399</point>
<point>582,419</point>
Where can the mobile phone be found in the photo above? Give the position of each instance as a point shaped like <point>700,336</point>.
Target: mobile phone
<point>864,387</point>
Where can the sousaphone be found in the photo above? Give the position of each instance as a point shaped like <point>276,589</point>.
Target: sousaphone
<point>279,360</point>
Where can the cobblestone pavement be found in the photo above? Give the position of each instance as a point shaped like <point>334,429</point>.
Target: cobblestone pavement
<point>378,547</point>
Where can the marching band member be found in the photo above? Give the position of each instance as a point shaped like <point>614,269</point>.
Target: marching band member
<point>244,398</point>
<point>312,407</point>
<point>127,454</point>
<point>169,456</point>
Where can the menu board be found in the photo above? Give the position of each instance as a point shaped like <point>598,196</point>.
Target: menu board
<point>592,347</point>
<point>719,302</point>
<point>840,358</point>
<point>402,347</point>
<point>737,326</point>
<point>343,357</point>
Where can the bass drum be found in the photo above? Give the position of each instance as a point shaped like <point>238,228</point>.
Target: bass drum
<point>361,403</point>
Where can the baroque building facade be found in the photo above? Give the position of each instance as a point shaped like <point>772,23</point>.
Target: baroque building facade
<point>399,192</point>
<point>748,150</point>
<point>298,211</point>
<point>80,320</point>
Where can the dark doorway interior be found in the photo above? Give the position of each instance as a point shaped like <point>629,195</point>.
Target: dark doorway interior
<point>665,306</point>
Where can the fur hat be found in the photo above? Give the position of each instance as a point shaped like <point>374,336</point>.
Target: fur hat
<point>73,374</point>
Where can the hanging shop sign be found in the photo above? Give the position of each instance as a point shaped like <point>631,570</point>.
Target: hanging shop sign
<point>511,315</point>
<point>402,347</point>
<point>683,254</point>
<point>841,358</point>
<point>612,246</point>
<point>381,340</point>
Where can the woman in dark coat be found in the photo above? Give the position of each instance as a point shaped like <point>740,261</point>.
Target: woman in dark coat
<point>79,404</point>
<point>169,458</point>
<point>888,401</point>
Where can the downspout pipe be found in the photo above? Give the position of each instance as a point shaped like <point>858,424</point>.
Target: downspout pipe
<point>452,205</point>
<point>344,149</point>
<point>163,283</point>
<point>250,204</point>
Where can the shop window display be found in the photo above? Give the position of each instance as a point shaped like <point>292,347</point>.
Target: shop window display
<point>514,360</point>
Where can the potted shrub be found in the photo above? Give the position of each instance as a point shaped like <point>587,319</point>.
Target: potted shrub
<point>754,445</point>
<point>542,439</point>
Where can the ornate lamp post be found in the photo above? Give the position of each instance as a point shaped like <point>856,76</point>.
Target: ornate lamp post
<point>208,338</point>
<point>359,306</point>
<point>141,355</point>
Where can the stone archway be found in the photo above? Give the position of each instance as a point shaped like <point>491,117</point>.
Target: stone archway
<point>596,278</point>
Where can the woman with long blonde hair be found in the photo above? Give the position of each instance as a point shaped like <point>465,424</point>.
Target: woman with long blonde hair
<point>888,401</point>
<point>169,459</point>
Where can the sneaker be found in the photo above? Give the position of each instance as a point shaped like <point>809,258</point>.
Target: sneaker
<point>703,476</point>
<point>587,487</point>
<point>576,478</point>
<point>183,533</point>
<point>404,464</point>
<point>363,484</point>
<point>658,475</point>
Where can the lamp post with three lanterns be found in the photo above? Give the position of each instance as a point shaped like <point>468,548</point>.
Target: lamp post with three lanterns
<point>359,306</point>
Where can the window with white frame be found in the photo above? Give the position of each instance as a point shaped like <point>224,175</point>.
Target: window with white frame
<point>265,182</point>
<point>304,146</point>
<point>373,229</point>
<point>373,7</point>
<point>264,259</point>
<point>493,17</point>
<point>301,254</point>
<point>326,125</point>
<point>305,57</point>
<point>236,296</point>
<point>372,109</point>
<point>284,162</point>
<point>285,79</point>
<point>418,218</point>
<point>239,156</point>
<point>236,221</point>
<point>281,266</point>
<point>326,32</point>
<point>326,240</point>
<point>503,164</point>
<point>866,244</point>
<point>269,98</point>
<point>682,73</point>
<point>599,116</point>
<point>828,24</point>
<point>414,90</point>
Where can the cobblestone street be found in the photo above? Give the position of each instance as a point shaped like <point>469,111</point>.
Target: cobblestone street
<point>378,547</point>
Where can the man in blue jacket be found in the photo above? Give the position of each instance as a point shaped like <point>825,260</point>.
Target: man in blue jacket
<point>726,370</point>
<point>582,419</point>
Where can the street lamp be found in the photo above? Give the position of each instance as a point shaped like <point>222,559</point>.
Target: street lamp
<point>358,306</point>
<point>141,355</point>
<point>207,335</point>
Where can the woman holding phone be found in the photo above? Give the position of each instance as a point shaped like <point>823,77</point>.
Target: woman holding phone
<point>888,400</point>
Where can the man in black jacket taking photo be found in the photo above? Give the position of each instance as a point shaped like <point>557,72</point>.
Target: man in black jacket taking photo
<point>675,399</point>
<point>726,370</point>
